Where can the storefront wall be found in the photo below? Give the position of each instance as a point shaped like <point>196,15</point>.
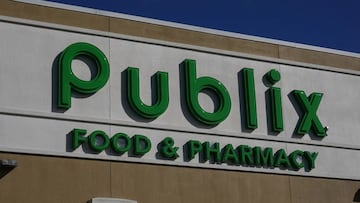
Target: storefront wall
<point>52,177</point>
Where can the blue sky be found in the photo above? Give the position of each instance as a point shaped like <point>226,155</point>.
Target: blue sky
<point>326,23</point>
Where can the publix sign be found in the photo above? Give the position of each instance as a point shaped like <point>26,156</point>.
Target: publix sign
<point>69,82</point>
<point>227,153</point>
<point>123,98</point>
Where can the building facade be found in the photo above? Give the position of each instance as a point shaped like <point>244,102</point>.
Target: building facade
<point>95,104</point>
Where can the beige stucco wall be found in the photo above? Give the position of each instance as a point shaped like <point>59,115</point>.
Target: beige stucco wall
<point>56,179</point>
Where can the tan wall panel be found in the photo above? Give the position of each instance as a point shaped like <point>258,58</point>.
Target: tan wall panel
<point>129,27</point>
<point>39,179</point>
<point>53,15</point>
<point>155,184</point>
<point>54,179</point>
<point>192,37</point>
<point>321,58</point>
<point>322,190</point>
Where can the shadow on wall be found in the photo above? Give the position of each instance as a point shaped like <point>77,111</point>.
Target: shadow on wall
<point>357,196</point>
<point>6,166</point>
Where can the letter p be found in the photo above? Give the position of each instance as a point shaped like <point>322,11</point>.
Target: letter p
<point>68,80</point>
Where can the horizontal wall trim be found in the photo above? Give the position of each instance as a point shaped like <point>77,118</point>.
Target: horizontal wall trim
<point>189,27</point>
<point>176,45</point>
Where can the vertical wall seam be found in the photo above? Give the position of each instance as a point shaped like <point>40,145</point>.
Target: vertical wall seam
<point>278,51</point>
<point>290,189</point>
<point>109,82</point>
<point>110,162</point>
<point>110,177</point>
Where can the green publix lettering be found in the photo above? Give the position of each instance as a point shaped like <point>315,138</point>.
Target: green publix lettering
<point>193,85</point>
<point>251,156</point>
<point>68,82</point>
<point>242,155</point>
